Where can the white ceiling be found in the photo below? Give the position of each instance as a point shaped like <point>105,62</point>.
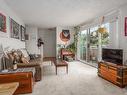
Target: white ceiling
<point>52,13</point>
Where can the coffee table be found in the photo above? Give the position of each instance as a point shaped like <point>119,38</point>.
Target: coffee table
<point>60,63</point>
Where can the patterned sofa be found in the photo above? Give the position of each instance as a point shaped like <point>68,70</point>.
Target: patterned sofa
<point>7,62</point>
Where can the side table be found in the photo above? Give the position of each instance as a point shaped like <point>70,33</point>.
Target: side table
<point>25,77</point>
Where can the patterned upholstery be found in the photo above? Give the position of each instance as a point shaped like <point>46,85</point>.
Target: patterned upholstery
<point>0,61</point>
<point>20,70</point>
<point>6,63</point>
<point>25,53</point>
<point>1,54</point>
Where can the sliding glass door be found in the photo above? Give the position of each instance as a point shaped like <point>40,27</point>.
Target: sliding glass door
<point>93,46</point>
<point>83,44</point>
<point>89,47</point>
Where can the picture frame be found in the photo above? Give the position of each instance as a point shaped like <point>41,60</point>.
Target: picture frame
<point>125,26</point>
<point>23,32</point>
<point>15,29</point>
<point>65,35</point>
<point>26,37</point>
<point>2,23</point>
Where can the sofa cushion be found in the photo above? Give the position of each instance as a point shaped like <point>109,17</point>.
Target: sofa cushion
<point>6,63</point>
<point>14,57</point>
<point>24,60</point>
<point>17,57</point>
<point>25,54</point>
<point>11,56</point>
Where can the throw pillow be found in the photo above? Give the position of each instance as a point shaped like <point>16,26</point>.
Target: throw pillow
<point>25,54</point>
<point>11,57</point>
<point>24,60</point>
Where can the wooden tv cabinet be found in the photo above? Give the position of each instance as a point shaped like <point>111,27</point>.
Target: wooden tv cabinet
<point>116,74</point>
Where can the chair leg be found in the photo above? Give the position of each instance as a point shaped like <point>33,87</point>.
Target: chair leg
<point>67,69</point>
<point>56,70</point>
<point>51,63</point>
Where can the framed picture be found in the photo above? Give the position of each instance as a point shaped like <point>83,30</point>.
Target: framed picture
<point>26,37</point>
<point>15,29</point>
<point>65,35</point>
<point>23,31</point>
<point>2,23</point>
<point>125,26</point>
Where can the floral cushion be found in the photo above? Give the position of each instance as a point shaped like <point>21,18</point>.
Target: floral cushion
<point>25,54</point>
<point>24,60</point>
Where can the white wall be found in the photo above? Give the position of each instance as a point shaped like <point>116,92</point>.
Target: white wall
<point>113,35</point>
<point>59,30</point>
<point>31,43</point>
<point>122,37</point>
<point>49,39</point>
<point>59,41</point>
<point>5,39</point>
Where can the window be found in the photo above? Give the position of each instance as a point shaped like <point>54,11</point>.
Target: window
<point>105,36</point>
<point>94,36</point>
<point>89,43</point>
<point>83,44</point>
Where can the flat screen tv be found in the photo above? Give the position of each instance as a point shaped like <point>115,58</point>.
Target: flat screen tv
<point>112,55</point>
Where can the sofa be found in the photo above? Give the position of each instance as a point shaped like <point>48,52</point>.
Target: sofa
<point>35,61</point>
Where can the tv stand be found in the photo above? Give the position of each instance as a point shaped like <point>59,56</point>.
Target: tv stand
<point>117,74</point>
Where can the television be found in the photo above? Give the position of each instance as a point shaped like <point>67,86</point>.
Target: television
<point>112,55</point>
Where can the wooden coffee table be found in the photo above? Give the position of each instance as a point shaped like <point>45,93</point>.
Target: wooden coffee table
<point>61,63</point>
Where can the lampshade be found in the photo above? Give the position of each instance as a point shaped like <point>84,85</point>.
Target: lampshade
<point>102,30</point>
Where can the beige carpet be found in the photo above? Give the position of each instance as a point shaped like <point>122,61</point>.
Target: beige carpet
<point>81,80</point>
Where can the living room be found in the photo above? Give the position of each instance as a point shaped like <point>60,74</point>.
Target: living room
<point>68,47</point>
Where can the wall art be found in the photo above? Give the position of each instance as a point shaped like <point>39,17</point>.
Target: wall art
<point>65,35</point>
<point>15,29</point>
<point>23,31</point>
<point>2,23</point>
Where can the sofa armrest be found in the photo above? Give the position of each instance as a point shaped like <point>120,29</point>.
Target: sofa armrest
<point>19,65</point>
